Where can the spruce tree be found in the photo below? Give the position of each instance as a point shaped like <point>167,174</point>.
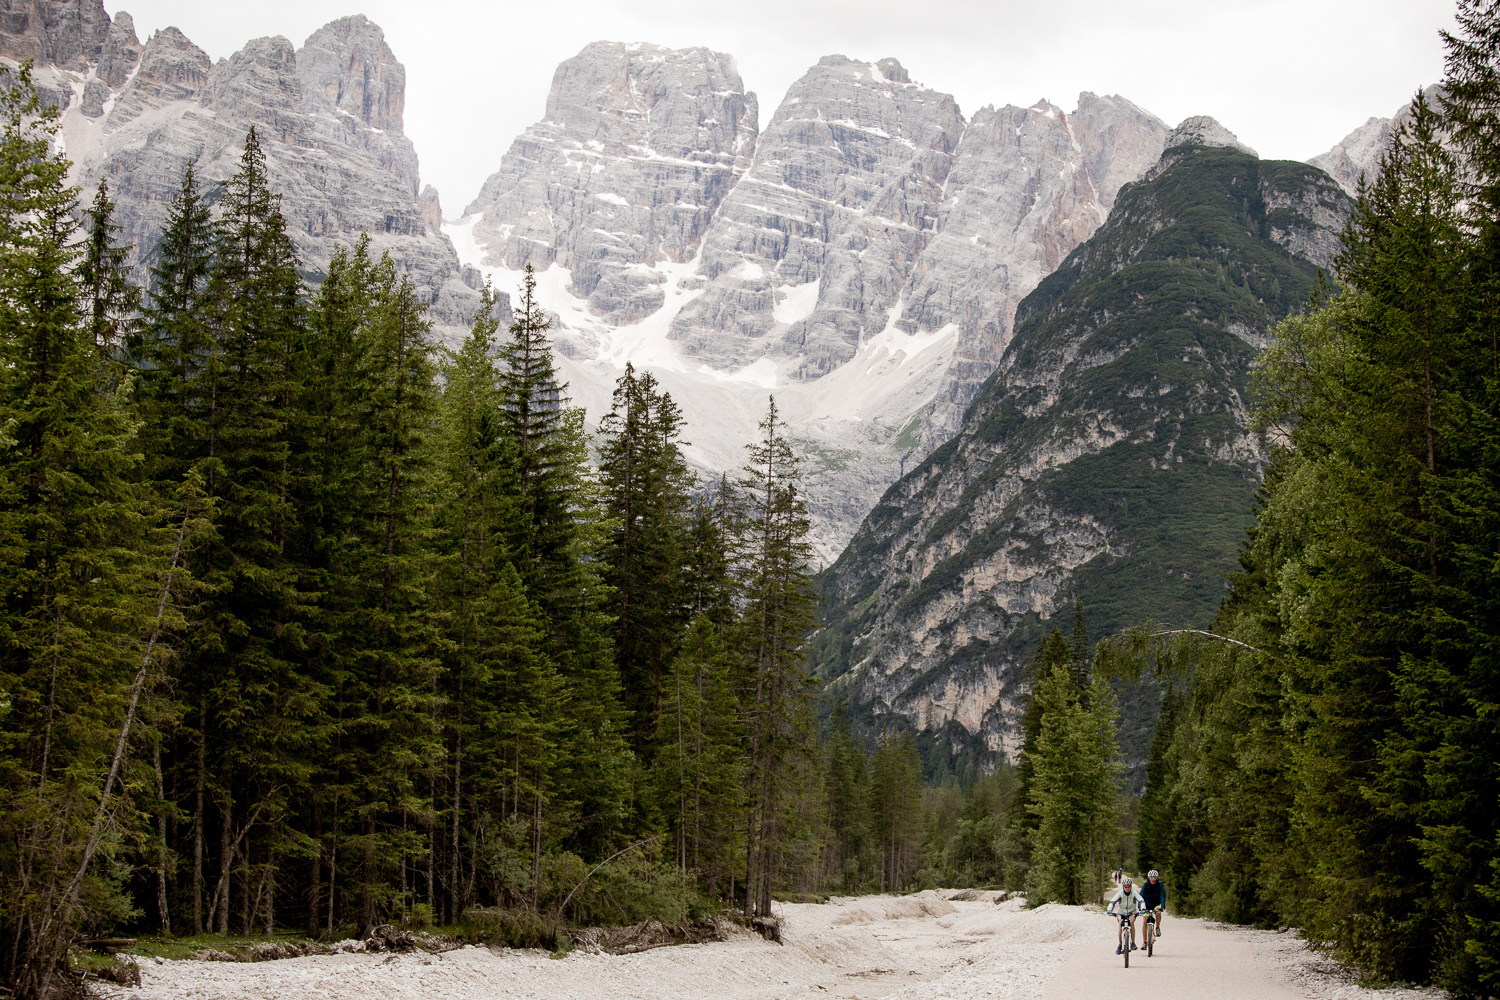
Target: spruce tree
<point>847,833</point>
<point>1074,790</point>
<point>75,558</point>
<point>698,757</point>
<point>111,299</point>
<point>646,491</point>
<point>395,670</point>
<point>169,348</point>
<point>474,522</point>
<point>554,540</point>
<point>250,645</point>
<point>896,808</point>
<point>778,615</point>
<point>709,558</point>
<point>533,409</point>
<point>1021,821</point>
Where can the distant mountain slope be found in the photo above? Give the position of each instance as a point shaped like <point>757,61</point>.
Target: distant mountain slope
<point>1358,153</point>
<point>862,257</point>
<point>329,116</point>
<point>1108,457</point>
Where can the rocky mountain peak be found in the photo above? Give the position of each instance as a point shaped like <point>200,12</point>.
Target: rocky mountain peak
<point>677,102</point>
<point>259,84</point>
<point>845,192</point>
<point>329,122</point>
<point>638,147</point>
<point>1358,154</point>
<point>892,70</point>
<point>68,34</point>
<point>862,256</point>
<point>431,208</point>
<point>118,57</point>
<point>171,68</point>
<point>346,65</point>
<point>1201,130</point>
<point>1118,406</point>
<point>1117,140</point>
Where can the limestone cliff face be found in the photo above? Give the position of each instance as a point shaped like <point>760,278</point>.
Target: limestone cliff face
<point>638,147</point>
<point>1028,186</point>
<point>68,34</point>
<point>1358,153</point>
<point>1107,458</point>
<point>844,193</point>
<point>328,117</point>
<point>862,257</point>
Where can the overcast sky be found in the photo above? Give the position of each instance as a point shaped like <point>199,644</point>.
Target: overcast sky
<point>1290,77</point>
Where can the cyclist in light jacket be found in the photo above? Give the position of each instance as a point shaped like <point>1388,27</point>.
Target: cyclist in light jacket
<point>1126,902</point>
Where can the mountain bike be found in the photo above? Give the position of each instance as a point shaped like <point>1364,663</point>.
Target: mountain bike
<point>1128,940</point>
<point>1149,932</point>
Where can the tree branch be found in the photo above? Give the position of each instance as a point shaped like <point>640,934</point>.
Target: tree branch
<point>638,843</point>
<point>1211,635</point>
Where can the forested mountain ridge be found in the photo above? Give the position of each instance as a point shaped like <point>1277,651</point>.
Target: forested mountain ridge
<point>1107,460</point>
<point>1325,756</point>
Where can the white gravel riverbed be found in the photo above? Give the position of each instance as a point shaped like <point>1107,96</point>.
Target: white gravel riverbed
<point>921,947</point>
<point>878,946</point>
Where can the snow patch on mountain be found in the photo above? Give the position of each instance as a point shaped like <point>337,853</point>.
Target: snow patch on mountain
<point>861,258</point>
<point>841,420</point>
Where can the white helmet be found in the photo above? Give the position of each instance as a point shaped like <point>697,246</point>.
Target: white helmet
<point>1125,880</point>
<point>1153,874</point>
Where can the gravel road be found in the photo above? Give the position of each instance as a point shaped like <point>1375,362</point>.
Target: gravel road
<point>921,947</point>
<point>1209,961</point>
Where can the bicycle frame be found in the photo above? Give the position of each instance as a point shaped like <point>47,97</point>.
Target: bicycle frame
<point>1127,939</point>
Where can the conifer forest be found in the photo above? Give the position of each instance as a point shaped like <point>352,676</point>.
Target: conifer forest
<point>310,623</point>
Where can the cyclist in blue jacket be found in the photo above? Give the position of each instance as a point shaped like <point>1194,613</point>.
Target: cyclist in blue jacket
<point>1154,896</point>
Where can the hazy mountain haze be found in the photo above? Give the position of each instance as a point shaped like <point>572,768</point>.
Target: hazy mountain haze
<point>1288,76</point>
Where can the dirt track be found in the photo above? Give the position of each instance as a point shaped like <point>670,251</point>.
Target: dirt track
<point>1192,960</point>
<point>921,947</point>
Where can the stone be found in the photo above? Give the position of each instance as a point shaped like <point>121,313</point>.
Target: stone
<point>1201,130</point>
<point>170,69</point>
<point>845,191</point>
<point>431,208</point>
<point>67,34</point>
<point>118,58</point>
<point>1028,186</point>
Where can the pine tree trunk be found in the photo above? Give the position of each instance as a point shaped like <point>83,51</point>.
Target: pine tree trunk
<point>455,901</point>
<point>226,860</point>
<point>199,820</point>
<point>269,884</point>
<point>315,869</point>
<point>164,920</point>
<point>333,863</point>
